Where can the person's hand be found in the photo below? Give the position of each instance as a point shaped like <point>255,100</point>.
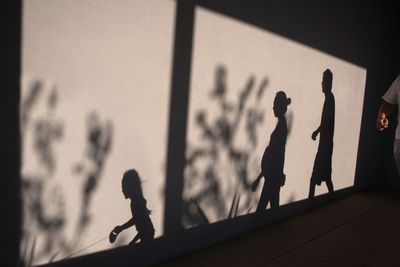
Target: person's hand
<point>314,135</point>
<point>254,185</point>
<point>114,233</point>
<point>134,240</point>
<point>382,123</point>
<point>283,179</point>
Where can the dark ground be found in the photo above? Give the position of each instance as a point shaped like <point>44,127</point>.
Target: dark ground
<point>362,229</point>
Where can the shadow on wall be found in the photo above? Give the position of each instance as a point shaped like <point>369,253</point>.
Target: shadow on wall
<point>45,131</point>
<point>99,143</point>
<point>217,149</point>
<point>165,247</point>
<point>217,168</point>
<point>132,189</point>
<point>273,160</point>
<point>322,170</point>
<point>218,174</point>
<point>43,197</point>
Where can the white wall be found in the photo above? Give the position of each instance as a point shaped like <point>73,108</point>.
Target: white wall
<point>245,51</point>
<point>108,57</point>
<point>114,59</point>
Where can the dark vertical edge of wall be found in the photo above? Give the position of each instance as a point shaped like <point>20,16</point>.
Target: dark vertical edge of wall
<point>10,142</point>
<point>178,115</point>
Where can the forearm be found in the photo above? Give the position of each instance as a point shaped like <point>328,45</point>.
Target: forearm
<point>128,224</point>
<point>258,178</point>
<point>135,239</point>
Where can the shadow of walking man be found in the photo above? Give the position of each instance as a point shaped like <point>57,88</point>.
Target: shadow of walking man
<point>322,170</point>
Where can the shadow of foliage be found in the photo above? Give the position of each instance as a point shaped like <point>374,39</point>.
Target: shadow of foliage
<point>99,143</point>
<point>219,161</point>
<point>44,201</point>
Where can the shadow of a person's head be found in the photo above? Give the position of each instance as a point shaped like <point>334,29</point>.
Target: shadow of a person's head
<point>281,102</point>
<point>131,183</point>
<point>327,78</point>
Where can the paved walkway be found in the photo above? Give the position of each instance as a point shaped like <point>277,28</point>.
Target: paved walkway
<point>362,229</point>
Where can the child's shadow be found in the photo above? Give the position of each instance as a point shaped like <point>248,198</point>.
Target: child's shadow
<point>132,189</point>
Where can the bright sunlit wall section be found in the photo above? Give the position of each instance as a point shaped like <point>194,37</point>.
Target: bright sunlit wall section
<point>95,92</point>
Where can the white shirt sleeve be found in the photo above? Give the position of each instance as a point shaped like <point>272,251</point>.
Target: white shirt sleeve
<point>391,95</point>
